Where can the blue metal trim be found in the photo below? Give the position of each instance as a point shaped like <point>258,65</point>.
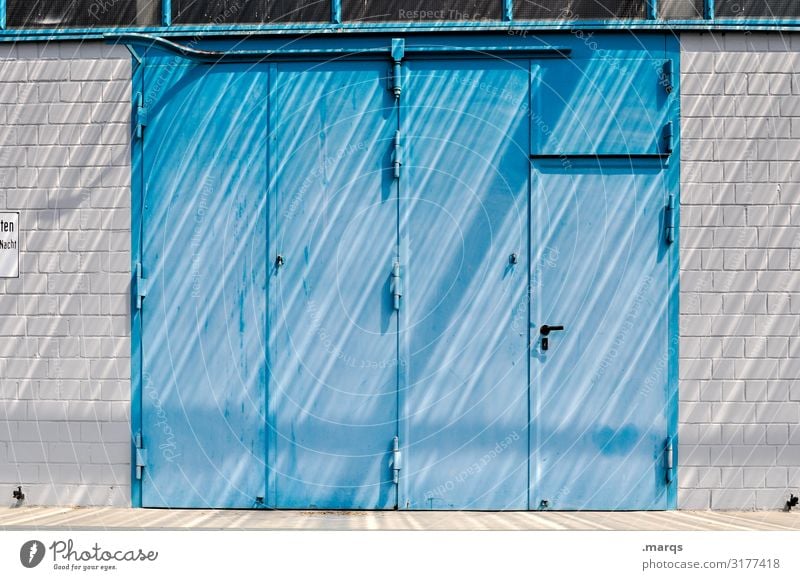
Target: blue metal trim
<point>673,184</point>
<point>137,213</point>
<point>52,34</point>
<point>708,12</point>
<point>613,156</point>
<point>477,51</point>
<point>508,10</point>
<point>2,14</point>
<point>166,12</point>
<point>336,11</point>
<point>136,56</point>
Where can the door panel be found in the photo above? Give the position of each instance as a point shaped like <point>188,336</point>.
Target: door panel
<point>333,346</point>
<point>275,366</point>
<point>600,390</point>
<point>203,250</point>
<point>600,106</point>
<point>464,206</point>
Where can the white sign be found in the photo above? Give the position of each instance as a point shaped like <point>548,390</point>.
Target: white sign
<point>9,245</point>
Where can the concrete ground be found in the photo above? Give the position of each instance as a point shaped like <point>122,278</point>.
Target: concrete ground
<point>65,518</point>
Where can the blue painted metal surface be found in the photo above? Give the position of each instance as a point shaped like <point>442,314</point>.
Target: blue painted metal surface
<point>464,215</point>
<point>166,12</point>
<point>203,321</point>
<point>602,106</point>
<point>403,226</point>
<point>708,13</point>
<point>602,390</point>
<point>651,9</point>
<point>333,342</point>
<point>137,215</point>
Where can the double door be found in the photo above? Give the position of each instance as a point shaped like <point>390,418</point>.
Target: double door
<point>347,289</point>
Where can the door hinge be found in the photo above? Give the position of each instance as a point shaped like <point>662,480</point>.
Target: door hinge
<point>668,137</point>
<point>397,459</point>
<point>141,456</point>
<point>140,283</point>
<point>141,115</point>
<point>669,219</point>
<point>397,155</point>
<point>398,52</point>
<point>667,78</point>
<point>396,286</point>
<point>669,459</point>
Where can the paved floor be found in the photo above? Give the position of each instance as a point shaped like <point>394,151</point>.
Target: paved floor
<point>126,518</point>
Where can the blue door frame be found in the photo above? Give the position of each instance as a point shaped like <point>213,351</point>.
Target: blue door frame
<point>538,51</point>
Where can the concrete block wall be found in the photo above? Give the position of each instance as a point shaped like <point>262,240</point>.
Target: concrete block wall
<point>64,324</point>
<point>740,271</point>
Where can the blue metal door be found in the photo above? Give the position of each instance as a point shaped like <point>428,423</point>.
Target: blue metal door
<point>464,208</point>
<point>600,384</point>
<point>333,333</point>
<point>203,253</point>
<point>408,282</point>
<point>603,306</point>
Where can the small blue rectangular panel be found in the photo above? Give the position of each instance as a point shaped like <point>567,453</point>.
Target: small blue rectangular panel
<point>333,337</point>
<point>203,253</point>
<point>464,227</point>
<point>600,385</point>
<point>602,106</point>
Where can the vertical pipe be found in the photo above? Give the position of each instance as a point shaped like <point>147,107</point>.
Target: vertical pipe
<point>708,12</point>
<point>166,12</point>
<point>508,10</point>
<point>652,9</point>
<point>336,11</point>
<point>2,14</point>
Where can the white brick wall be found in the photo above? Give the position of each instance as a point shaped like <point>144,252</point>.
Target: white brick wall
<point>64,324</point>
<point>740,271</point>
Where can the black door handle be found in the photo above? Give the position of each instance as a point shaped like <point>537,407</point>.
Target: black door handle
<point>546,329</point>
